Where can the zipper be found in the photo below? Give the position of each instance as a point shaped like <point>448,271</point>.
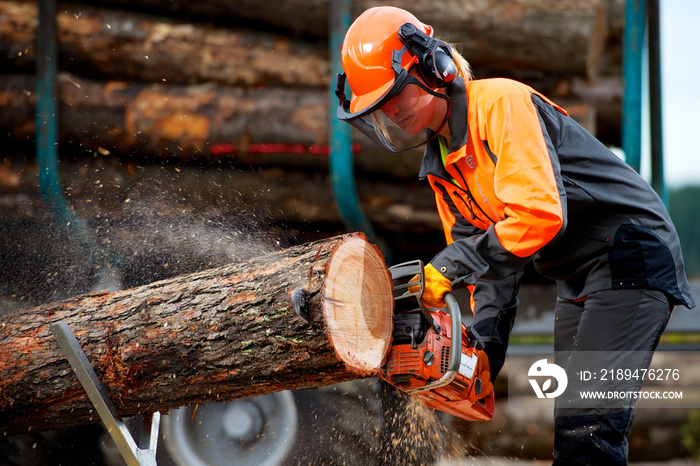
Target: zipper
<point>471,201</point>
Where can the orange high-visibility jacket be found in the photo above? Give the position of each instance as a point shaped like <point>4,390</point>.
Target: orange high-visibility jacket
<point>523,181</point>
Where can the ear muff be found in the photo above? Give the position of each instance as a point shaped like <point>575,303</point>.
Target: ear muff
<point>435,63</point>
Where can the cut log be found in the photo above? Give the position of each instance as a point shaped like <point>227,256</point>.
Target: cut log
<point>221,334</point>
<point>166,120</point>
<point>566,36</point>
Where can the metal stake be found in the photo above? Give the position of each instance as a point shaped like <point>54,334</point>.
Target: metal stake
<point>143,454</point>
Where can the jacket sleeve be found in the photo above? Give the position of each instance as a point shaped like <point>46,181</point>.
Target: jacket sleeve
<point>526,180</point>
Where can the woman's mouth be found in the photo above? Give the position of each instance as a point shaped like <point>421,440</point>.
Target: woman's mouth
<point>403,121</point>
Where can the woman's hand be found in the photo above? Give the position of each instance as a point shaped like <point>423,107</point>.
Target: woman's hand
<point>436,285</point>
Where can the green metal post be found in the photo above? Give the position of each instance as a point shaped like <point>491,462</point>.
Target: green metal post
<point>47,150</point>
<point>341,158</point>
<point>633,48</point>
<point>655,102</point>
<point>47,108</point>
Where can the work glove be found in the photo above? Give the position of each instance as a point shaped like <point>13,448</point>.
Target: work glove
<point>436,285</point>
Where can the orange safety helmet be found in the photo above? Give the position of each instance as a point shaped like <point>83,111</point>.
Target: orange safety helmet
<point>367,53</point>
<point>380,48</point>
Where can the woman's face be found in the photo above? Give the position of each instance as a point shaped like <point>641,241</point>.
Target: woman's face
<point>414,109</point>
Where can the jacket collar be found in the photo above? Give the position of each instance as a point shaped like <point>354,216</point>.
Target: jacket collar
<point>458,130</point>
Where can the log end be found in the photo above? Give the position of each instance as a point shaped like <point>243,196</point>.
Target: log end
<point>358,305</point>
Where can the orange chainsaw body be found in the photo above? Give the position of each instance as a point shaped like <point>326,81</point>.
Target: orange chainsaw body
<point>420,361</point>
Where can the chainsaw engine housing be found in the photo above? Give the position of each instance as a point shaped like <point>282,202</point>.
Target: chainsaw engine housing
<point>420,361</point>
<point>409,367</point>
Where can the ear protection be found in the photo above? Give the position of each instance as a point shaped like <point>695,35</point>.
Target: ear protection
<point>435,63</point>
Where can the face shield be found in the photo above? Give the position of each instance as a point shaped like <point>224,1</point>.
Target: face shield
<point>372,122</point>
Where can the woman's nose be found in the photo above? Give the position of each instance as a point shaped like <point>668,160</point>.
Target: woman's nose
<point>390,109</point>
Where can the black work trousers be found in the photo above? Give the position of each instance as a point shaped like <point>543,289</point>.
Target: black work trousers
<point>608,322</point>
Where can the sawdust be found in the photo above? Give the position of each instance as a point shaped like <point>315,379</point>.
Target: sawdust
<point>415,434</point>
<point>367,422</point>
<point>150,224</point>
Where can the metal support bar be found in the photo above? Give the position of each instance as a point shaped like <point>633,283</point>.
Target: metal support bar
<point>47,122</point>
<point>341,167</point>
<point>656,101</point>
<point>47,108</point>
<point>633,52</point>
<point>341,159</point>
<point>143,454</point>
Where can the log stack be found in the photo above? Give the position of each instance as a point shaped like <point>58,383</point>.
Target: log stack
<point>186,77</point>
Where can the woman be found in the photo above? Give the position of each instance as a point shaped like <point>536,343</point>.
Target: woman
<point>517,180</point>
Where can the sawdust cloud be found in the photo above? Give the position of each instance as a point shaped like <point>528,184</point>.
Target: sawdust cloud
<point>167,221</point>
<point>417,435</point>
<point>136,226</point>
<point>368,422</point>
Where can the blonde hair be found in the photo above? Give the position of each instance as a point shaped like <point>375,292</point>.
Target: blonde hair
<point>464,70</point>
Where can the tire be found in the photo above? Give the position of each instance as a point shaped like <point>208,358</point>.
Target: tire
<point>256,431</point>
<point>336,425</point>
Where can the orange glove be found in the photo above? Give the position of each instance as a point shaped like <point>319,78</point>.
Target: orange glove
<point>435,287</point>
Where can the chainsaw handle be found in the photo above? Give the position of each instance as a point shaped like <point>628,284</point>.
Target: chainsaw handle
<point>456,330</point>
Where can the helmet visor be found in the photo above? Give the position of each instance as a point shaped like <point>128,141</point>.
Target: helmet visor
<point>372,122</point>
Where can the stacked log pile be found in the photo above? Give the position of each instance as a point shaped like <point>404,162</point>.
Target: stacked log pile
<point>229,81</point>
<point>189,77</point>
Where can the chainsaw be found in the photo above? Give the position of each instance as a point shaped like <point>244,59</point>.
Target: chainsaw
<point>433,355</point>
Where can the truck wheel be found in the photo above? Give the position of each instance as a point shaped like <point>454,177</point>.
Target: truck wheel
<point>257,431</point>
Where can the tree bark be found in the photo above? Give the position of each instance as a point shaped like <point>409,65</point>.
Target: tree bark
<point>221,334</point>
<point>211,120</point>
<point>169,121</point>
<point>563,36</point>
<point>123,45</point>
